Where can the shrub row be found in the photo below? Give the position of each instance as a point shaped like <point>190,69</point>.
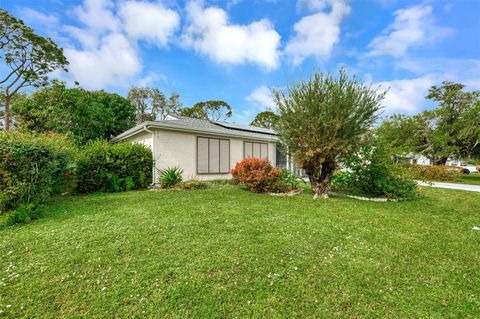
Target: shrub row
<point>35,166</point>
<point>113,167</point>
<point>435,172</point>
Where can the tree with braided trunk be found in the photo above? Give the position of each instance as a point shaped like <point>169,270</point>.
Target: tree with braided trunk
<point>321,121</point>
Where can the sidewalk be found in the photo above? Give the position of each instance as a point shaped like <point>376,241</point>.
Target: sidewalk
<point>465,187</point>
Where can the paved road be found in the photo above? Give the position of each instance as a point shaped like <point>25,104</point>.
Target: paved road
<point>465,187</point>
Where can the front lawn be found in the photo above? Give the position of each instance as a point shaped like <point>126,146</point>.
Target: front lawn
<point>472,179</point>
<point>227,253</point>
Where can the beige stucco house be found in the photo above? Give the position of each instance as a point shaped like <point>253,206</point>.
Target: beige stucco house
<point>204,149</point>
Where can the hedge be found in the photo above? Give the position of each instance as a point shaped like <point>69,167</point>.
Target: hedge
<point>32,167</point>
<point>113,167</point>
<point>435,172</point>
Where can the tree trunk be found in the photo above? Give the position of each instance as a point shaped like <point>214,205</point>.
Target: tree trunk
<point>442,160</point>
<point>6,105</point>
<point>313,175</point>
<point>325,179</point>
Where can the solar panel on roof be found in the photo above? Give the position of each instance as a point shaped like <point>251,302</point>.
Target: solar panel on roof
<point>246,128</point>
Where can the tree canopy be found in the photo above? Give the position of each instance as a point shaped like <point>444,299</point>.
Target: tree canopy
<point>321,121</point>
<point>451,130</point>
<point>265,119</point>
<point>29,58</point>
<point>212,110</point>
<point>83,115</point>
<point>151,104</point>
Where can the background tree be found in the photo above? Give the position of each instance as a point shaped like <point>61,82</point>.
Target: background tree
<point>151,104</point>
<point>83,115</point>
<point>470,132</point>
<point>322,120</point>
<point>451,130</point>
<point>408,134</point>
<point>194,111</point>
<point>265,119</point>
<point>28,57</point>
<point>455,132</point>
<point>211,110</point>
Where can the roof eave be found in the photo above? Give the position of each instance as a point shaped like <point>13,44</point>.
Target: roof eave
<point>176,127</point>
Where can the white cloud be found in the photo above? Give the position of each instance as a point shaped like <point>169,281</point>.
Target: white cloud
<point>259,100</point>
<point>149,21</point>
<point>150,79</point>
<point>317,34</point>
<point>115,62</point>
<point>38,17</point>
<point>262,98</point>
<point>312,5</point>
<point>97,15</point>
<point>464,68</point>
<point>106,51</point>
<point>407,95</point>
<point>412,26</point>
<point>210,33</point>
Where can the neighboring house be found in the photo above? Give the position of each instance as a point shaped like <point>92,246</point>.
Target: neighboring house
<point>203,149</point>
<point>412,158</point>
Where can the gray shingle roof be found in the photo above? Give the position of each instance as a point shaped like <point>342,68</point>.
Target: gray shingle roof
<point>200,125</point>
<point>248,128</point>
<point>218,126</point>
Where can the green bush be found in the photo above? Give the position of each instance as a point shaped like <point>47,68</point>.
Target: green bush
<point>435,172</point>
<point>291,181</point>
<point>107,167</point>
<point>33,167</point>
<point>373,172</point>
<point>22,214</point>
<point>342,180</point>
<point>170,176</point>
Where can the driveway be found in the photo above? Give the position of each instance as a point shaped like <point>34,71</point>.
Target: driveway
<point>465,187</point>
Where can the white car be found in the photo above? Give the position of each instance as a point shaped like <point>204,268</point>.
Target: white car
<point>467,168</point>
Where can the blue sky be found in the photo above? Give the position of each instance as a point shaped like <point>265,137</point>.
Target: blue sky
<point>238,50</point>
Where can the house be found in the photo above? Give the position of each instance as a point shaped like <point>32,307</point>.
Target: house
<point>204,149</point>
<point>412,158</point>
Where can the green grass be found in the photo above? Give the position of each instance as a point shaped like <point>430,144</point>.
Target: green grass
<point>227,253</point>
<point>472,179</point>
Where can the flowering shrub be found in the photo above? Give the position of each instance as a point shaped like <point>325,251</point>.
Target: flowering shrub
<point>435,172</point>
<point>257,175</point>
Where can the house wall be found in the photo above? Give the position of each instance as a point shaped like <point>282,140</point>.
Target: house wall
<point>143,137</point>
<point>422,160</point>
<point>179,149</point>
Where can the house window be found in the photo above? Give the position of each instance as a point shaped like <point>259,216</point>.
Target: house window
<point>255,149</point>
<point>213,155</point>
